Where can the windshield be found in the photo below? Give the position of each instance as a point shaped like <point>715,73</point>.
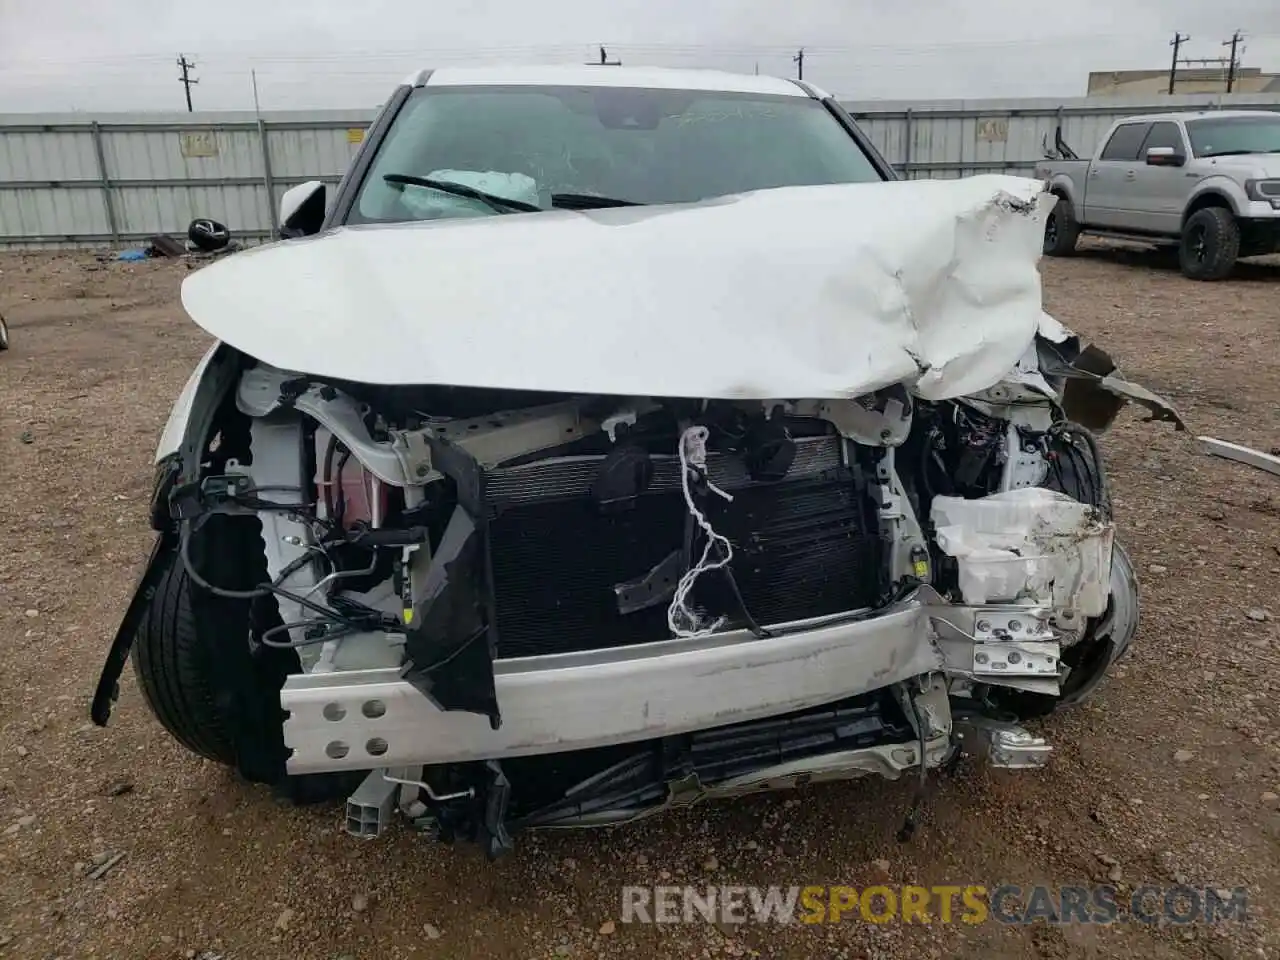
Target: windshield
<point>1224,136</point>
<point>530,144</point>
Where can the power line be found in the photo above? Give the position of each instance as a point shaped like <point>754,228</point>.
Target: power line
<point>426,55</point>
<point>1230,64</point>
<point>298,69</point>
<point>186,79</point>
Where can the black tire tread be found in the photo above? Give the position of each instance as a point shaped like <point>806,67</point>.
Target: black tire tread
<point>1222,234</point>
<point>172,668</point>
<point>1068,230</point>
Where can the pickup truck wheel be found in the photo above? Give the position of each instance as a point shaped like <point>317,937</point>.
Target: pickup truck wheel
<point>1210,244</point>
<point>1061,230</point>
<point>4,335</point>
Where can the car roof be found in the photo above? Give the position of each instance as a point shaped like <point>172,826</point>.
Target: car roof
<point>1185,115</point>
<point>592,75</point>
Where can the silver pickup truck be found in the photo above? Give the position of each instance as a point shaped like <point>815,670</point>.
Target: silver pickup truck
<point>1205,183</point>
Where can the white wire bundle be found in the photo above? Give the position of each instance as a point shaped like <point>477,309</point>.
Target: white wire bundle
<point>683,621</point>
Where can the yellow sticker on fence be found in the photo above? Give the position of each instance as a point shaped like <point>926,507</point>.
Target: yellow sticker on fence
<point>355,135</point>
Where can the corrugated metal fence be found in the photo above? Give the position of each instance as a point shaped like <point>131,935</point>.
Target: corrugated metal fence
<point>113,179</point>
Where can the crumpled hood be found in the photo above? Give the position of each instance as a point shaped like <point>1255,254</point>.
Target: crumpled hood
<point>799,292</point>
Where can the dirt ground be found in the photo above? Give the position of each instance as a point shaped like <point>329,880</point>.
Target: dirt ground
<point>1169,775</point>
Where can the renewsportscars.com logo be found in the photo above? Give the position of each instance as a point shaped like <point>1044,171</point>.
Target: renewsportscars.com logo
<point>960,903</point>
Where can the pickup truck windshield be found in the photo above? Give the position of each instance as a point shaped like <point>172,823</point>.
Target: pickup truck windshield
<point>1229,136</point>
<point>527,144</point>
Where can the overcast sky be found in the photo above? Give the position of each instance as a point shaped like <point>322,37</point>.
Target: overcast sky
<point>96,55</point>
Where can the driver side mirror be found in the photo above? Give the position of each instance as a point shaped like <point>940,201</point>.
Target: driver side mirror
<point>1165,157</point>
<point>302,209</point>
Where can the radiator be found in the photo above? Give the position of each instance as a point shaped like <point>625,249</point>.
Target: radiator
<point>806,546</point>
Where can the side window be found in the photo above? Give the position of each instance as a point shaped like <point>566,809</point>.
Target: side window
<point>1163,134</point>
<point>1124,143</point>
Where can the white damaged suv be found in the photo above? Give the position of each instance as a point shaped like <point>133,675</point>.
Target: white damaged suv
<point>614,439</point>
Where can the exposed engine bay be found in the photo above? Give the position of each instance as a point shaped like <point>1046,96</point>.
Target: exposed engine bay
<point>400,553</point>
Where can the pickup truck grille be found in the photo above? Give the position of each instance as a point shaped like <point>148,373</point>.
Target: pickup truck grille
<point>806,546</point>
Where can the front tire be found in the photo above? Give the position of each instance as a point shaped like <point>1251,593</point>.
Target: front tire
<point>4,335</point>
<point>1061,231</point>
<point>199,676</point>
<point>209,687</point>
<point>1210,244</point>
<point>175,669</point>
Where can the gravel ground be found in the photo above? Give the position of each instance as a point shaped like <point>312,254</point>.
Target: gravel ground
<point>1170,774</point>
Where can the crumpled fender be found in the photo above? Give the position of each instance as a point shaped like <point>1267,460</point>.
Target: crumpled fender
<point>1093,390</point>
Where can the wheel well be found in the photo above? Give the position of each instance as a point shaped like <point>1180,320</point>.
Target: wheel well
<point>1203,201</point>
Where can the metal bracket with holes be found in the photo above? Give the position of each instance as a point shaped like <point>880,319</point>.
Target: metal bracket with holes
<point>1015,659</point>
<point>1014,647</point>
<point>1013,643</point>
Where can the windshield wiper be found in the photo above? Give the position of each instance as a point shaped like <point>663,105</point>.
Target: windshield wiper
<point>492,200</point>
<point>589,201</point>
<point>1230,153</point>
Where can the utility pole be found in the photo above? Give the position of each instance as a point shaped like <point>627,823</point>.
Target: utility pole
<point>1177,42</point>
<point>186,79</point>
<point>604,60</point>
<point>798,60</point>
<point>1234,44</point>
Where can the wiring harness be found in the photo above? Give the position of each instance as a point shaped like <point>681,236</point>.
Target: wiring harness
<point>341,616</point>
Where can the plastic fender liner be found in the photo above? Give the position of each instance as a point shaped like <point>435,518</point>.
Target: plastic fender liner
<point>1094,390</point>
<point>453,640</point>
<point>449,647</point>
<point>164,552</point>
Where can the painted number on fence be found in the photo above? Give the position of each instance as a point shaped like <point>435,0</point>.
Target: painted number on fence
<point>198,143</point>
<point>993,129</point>
<point>355,135</point>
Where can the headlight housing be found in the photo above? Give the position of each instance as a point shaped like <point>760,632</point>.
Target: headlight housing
<point>1265,190</point>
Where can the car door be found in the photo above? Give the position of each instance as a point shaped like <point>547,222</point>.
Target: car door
<point>1159,191</point>
<point>1108,195</point>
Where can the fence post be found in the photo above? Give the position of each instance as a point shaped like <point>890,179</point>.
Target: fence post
<point>267,180</point>
<point>907,136</point>
<point>108,201</point>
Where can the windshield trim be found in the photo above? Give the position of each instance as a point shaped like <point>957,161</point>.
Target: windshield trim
<point>353,183</point>
<point>353,180</point>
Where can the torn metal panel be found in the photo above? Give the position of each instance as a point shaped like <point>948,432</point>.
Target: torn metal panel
<point>1093,390</point>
